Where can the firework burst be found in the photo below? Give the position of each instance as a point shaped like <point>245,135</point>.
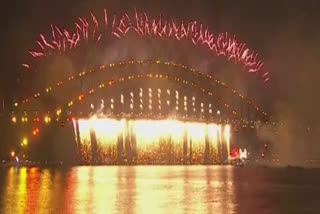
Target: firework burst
<point>94,30</point>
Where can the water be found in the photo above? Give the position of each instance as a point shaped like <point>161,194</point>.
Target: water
<point>159,189</point>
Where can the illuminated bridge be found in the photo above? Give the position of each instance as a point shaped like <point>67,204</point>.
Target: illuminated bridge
<point>139,111</point>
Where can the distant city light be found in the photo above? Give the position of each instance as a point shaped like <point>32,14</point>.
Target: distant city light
<point>14,119</point>
<point>35,131</point>
<point>24,119</point>
<point>24,141</point>
<point>47,119</point>
<point>59,112</point>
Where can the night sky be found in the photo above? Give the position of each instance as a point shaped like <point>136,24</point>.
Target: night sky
<point>286,34</point>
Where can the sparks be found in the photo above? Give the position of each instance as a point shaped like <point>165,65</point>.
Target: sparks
<point>221,44</point>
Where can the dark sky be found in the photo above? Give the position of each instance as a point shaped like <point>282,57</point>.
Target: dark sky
<point>285,33</point>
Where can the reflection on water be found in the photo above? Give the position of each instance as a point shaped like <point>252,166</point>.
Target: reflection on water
<point>152,189</point>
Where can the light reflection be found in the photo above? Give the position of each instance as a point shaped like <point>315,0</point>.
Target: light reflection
<point>9,199</point>
<point>125,190</point>
<point>81,194</point>
<point>145,190</point>
<point>15,195</point>
<point>226,192</point>
<point>69,191</point>
<point>33,187</point>
<point>45,193</point>
<point>22,190</point>
<point>120,189</point>
<point>57,188</point>
<point>104,189</point>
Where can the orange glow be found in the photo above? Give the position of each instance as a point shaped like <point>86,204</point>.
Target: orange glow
<point>110,82</point>
<point>35,131</point>
<point>12,153</point>
<point>24,141</point>
<point>45,192</point>
<point>36,119</point>
<point>152,136</point>
<point>24,119</point>
<point>59,112</point>
<point>80,97</point>
<point>149,132</point>
<point>22,189</point>
<point>47,119</point>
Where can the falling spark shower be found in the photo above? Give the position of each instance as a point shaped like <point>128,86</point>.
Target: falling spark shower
<point>166,141</point>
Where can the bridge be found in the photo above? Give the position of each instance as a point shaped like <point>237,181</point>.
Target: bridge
<point>140,111</point>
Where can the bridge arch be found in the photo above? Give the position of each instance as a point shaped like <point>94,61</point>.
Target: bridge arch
<point>92,32</point>
<point>164,68</point>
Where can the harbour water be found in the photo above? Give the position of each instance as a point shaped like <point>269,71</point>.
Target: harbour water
<point>159,189</point>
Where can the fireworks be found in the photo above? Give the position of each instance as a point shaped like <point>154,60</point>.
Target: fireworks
<point>94,30</point>
<point>186,108</point>
<point>151,141</point>
<point>156,139</point>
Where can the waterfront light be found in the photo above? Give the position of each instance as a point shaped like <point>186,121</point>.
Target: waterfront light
<point>59,112</point>
<point>14,119</point>
<point>24,142</point>
<point>47,119</point>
